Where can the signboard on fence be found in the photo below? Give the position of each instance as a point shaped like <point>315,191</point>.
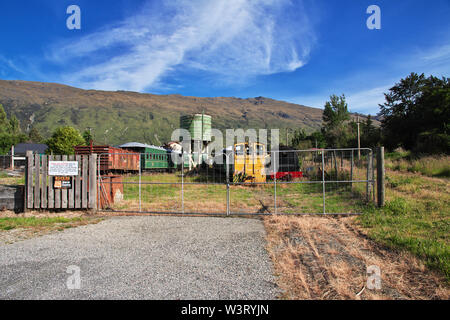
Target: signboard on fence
<point>63,168</point>
<point>62,182</point>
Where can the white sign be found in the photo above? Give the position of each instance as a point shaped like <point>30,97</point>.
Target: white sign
<point>63,168</point>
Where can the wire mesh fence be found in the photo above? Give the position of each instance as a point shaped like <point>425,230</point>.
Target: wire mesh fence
<point>290,182</point>
<point>5,162</point>
<point>9,162</point>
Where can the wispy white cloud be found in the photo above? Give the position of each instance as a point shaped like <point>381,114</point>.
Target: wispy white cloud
<point>8,64</point>
<point>234,39</point>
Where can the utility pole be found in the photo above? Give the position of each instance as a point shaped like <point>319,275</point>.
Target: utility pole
<point>287,137</point>
<point>90,134</point>
<point>359,140</point>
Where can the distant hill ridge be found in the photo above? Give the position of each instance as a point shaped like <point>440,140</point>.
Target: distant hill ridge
<point>123,116</point>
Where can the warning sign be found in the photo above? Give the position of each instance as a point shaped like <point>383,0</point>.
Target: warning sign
<point>62,182</point>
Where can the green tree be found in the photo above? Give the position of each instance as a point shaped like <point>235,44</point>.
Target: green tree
<point>4,122</point>
<point>10,133</point>
<point>370,135</point>
<point>63,140</point>
<point>337,132</point>
<point>14,125</point>
<point>298,138</point>
<point>35,136</point>
<point>416,114</point>
<point>87,136</point>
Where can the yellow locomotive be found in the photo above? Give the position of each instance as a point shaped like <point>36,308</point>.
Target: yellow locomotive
<point>249,162</point>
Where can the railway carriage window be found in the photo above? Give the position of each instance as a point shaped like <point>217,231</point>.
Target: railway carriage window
<point>249,150</point>
<point>240,150</point>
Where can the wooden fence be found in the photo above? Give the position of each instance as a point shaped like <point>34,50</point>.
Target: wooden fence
<point>40,193</point>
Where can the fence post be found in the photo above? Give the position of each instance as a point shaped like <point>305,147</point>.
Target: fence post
<point>351,170</point>
<point>12,158</point>
<point>37,181</point>
<point>228,183</point>
<point>29,181</point>
<point>323,180</point>
<point>93,182</point>
<point>380,177</point>
<point>275,180</point>
<point>140,183</point>
<point>368,178</point>
<point>99,186</point>
<point>182,182</point>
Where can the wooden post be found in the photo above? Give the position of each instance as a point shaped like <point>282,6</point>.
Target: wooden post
<point>78,184</point>
<point>29,180</point>
<point>351,170</point>
<point>93,182</point>
<point>369,165</point>
<point>37,184</point>
<point>84,172</point>
<point>359,142</point>
<point>64,191</point>
<point>380,177</point>
<point>71,192</point>
<point>44,182</point>
<point>51,190</point>
<point>12,158</point>
<point>335,168</point>
<point>57,191</point>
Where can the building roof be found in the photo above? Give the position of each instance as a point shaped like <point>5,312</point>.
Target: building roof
<point>139,145</point>
<point>22,148</point>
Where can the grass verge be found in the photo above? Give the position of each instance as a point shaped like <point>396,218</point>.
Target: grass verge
<point>58,223</point>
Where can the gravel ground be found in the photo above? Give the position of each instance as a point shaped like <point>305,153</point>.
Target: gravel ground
<point>143,258</point>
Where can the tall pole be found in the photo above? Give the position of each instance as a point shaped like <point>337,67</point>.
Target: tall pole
<point>12,157</point>
<point>287,137</point>
<point>359,140</point>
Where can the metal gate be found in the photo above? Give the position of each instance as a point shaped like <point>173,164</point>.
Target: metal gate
<point>316,181</point>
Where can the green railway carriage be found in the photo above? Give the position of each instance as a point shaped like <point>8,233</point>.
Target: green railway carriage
<point>152,157</point>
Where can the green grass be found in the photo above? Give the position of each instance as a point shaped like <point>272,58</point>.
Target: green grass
<point>7,180</point>
<point>33,222</point>
<point>416,218</point>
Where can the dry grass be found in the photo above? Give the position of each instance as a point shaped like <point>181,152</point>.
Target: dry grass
<point>432,166</point>
<point>326,258</point>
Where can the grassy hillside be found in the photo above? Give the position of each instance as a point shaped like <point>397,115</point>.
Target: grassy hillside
<point>118,117</point>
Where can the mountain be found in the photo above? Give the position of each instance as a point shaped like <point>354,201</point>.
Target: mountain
<point>119,117</point>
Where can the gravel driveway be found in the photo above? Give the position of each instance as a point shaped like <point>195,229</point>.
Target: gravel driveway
<point>143,258</point>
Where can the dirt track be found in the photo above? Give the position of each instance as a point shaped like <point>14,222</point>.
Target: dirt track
<point>327,258</point>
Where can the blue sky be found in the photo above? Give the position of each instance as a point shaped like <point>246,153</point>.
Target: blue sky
<point>300,51</point>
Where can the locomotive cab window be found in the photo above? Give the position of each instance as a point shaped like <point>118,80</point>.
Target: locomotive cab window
<point>240,150</point>
<point>259,149</point>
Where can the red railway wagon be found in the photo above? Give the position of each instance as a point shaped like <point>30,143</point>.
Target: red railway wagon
<point>287,175</point>
<point>112,159</point>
